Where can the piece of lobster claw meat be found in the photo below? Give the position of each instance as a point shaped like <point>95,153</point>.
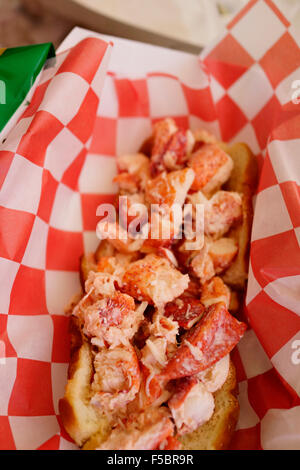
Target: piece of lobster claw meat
<point>191,405</point>
<point>214,336</point>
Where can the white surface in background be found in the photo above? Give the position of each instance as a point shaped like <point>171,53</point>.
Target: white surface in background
<point>194,21</point>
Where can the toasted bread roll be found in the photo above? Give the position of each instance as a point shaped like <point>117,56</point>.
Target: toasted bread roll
<point>79,417</point>
<point>87,264</point>
<point>243,180</point>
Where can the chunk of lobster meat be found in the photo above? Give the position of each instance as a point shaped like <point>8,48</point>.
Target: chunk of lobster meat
<point>202,265</point>
<point>115,265</point>
<point>117,378</point>
<point>118,237</point>
<point>214,377</point>
<point>212,167</point>
<point>191,405</point>
<point>176,152</point>
<point>193,254</point>
<point>112,310</point>
<point>224,210</point>
<point>170,188</point>
<point>154,280</point>
<point>144,431</point>
<point>185,311</point>
<point>212,338</point>
<point>215,291</point>
<point>222,252</point>
<point>127,183</point>
<point>180,146</point>
<point>162,231</point>
<point>125,331</point>
<point>132,163</point>
<point>112,320</point>
<point>132,206</point>
<point>137,166</point>
<point>171,443</point>
<point>100,284</point>
<point>97,286</point>
<point>162,133</point>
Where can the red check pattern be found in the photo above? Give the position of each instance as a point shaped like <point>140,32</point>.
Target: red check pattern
<point>57,165</point>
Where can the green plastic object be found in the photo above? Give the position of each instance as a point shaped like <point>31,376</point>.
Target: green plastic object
<point>19,67</point>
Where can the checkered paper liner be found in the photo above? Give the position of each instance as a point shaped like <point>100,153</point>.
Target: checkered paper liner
<point>56,167</point>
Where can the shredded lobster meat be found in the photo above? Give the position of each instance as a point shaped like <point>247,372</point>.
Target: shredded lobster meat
<point>154,310</point>
<point>117,378</point>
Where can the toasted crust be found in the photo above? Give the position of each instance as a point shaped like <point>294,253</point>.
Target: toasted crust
<point>244,181</point>
<point>216,434</point>
<point>87,264</point>
<point>79,418</point>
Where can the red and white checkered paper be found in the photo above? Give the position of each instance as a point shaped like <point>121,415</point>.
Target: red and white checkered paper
<point>56,166</point>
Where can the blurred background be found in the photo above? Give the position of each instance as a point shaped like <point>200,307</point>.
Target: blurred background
<point>182,24</point>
